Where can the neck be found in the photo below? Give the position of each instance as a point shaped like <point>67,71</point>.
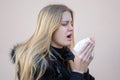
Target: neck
<point>56,46</point>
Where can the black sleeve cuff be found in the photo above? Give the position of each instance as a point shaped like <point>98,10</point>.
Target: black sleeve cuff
<point>76,76</point>
<point>87,76</point>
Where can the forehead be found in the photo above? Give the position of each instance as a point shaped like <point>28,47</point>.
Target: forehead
<point>66,16</point>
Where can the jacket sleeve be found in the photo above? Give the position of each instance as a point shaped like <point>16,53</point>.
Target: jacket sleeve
<point>79,76</point>
<point>51,75</point>
<point>12,54</point>
<point>88,76</point>
<point>76,76</point>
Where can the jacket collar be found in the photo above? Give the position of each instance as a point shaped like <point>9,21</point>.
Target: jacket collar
<point>64,53</point>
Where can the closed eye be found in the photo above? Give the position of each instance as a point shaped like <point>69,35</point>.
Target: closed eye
<point>65,23</point>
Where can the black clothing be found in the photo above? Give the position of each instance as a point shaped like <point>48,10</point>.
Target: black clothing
<point>57,69</point>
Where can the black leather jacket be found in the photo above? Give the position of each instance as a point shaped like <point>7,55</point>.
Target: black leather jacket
<point>57,70</point>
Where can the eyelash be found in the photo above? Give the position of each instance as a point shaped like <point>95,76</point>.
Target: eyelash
<point>65,24</point>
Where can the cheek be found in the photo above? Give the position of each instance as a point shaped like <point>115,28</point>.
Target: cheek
<point>59,36</point>
<point>60,33</point>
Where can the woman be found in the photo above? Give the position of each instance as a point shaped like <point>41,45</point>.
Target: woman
<point>47,55</point>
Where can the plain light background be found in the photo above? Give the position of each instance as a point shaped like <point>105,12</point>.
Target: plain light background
<point>98,18</point>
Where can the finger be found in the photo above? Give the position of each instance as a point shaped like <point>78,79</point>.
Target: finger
<point>82,55</point>
<point>91,50</point>
<point>92,39</point>
<point>85,49</point>
<point>91,56</point>
<point>88,51</point>
<point>81,52</point>
<point>90,59</point>
<point>93,53</point>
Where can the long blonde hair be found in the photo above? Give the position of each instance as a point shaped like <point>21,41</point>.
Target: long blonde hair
<point>27,53</point>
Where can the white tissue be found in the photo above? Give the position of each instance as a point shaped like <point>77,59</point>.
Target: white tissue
<point>80,45</point>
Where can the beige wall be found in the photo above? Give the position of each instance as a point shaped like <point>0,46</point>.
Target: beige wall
<point>98,18</point>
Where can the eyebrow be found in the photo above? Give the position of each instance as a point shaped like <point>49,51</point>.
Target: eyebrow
<point>67,20</point>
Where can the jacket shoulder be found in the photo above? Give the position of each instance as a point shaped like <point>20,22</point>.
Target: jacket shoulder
<point>13,53</point>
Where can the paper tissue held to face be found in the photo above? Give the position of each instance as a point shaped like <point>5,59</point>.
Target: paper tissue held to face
<point>80,45</point>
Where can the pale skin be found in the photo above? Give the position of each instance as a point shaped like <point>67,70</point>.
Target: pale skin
<point>63,37</point>
<point>84,57</point>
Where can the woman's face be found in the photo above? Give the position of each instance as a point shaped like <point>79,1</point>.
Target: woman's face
<point>63,35</point>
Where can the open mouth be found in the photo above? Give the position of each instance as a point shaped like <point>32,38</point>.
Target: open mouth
<point>69,36</point>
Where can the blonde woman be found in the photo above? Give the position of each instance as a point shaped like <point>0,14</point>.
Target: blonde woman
<point>47,55</point>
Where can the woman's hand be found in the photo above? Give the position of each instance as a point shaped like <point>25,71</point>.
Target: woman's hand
<point>84,57</point>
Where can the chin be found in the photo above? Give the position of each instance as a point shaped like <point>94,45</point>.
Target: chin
<point>68,44</point>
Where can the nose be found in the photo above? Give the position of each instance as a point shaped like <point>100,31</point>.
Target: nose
<point>70,27</point>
